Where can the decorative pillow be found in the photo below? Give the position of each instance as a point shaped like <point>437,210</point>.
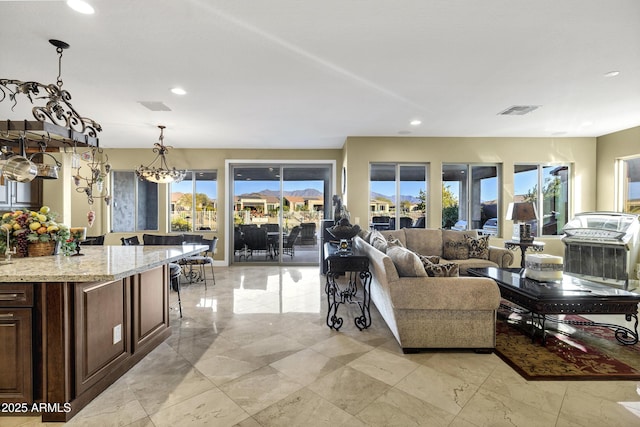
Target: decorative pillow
<point>449,269</point>
<point>478,248</point>
<point>364,234</point>
<point>454,244</point>
<point>433,259</point>
<point>454,249</point>
<point>378,241</point>
<point>407,263</point>
<point>393,242</point>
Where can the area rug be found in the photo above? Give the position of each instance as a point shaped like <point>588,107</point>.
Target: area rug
<point>571,352</point>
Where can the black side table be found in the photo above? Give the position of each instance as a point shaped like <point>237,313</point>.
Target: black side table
<point>535,247</point>
<point>353,266</point>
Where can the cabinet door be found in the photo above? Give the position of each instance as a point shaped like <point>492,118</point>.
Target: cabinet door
<point>27,193</point>
<point>16,381</point>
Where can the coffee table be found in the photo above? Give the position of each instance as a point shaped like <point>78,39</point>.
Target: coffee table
<point>572,295</point>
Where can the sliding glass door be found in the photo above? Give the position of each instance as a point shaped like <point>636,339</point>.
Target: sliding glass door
<point>277,211</point>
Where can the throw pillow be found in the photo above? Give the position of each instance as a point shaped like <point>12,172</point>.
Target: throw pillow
<point>456,250</point>
<point>449,269</point>
<point>433,259</point>
<point>378,241</point>
<point>478,248</point>
<point>454,245</point>
<point>393,242</point>
<point>407,263</point>
<point>364,235</point>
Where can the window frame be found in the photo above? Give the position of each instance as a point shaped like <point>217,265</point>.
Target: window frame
<point>622,202</point>
<point>397,167</point>
<point>538,232</point>
<point>194,181</point>
<point>469,191</point>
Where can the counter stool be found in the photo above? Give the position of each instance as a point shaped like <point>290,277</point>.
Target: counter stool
<point>174,273</point>
<point>201,261</point>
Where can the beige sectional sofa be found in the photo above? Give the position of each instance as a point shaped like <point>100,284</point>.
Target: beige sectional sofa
<point>435,312</point>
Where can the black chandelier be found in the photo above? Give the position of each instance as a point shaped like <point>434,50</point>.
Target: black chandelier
<point>162,174</point>
<point>57,109</point>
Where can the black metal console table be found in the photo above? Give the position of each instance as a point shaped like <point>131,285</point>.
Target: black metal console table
<point>351,266</point>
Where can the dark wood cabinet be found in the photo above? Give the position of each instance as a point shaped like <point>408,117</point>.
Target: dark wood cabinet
<point>20,194</point>
<point>16,362</point>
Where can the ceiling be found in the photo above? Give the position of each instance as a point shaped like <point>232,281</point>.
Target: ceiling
<point>308,74</point>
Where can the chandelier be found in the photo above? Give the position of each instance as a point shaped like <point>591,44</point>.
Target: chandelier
<point>161,174</point>
<point>57,110</point>
<point>93,185</point>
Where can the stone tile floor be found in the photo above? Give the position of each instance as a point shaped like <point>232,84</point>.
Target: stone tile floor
<point>254,350</point>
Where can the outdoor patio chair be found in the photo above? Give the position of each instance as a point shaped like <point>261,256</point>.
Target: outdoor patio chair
<point>288,246</point>
<point>308,233</point>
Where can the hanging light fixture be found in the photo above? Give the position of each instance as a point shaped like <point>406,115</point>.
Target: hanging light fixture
<point>162,174</point>
<point>57,116</point>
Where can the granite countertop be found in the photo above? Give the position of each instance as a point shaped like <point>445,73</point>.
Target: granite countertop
<point>99,263</point>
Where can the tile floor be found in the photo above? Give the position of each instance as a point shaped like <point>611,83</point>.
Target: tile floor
<point>255,351</point>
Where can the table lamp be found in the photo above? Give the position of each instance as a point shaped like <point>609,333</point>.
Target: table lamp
<point>520,213</point>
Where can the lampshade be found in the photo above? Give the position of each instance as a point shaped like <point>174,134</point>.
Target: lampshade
<point>522,211</point>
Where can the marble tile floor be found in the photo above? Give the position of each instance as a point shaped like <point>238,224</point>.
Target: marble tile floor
<point>255,351</point>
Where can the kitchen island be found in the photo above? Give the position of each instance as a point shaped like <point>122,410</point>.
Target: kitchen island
<point>70,326</point>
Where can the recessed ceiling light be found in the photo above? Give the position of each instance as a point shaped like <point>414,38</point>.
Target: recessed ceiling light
<point>612,74</point>
<point>178,91</point>
<point>415,122</point>
<point>81,6</point>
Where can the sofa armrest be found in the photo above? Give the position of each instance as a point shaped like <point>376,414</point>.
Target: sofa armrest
<point>501,256</point>
<point>445,293</point>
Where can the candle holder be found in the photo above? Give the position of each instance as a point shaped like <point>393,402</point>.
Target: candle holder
<point>79,235</point>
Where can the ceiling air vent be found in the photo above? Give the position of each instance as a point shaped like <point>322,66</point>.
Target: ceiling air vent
<point>518,110</point>
<point>154,105</point>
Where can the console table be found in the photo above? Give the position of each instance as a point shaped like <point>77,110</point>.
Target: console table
<point>353,266</point>
<point>572,295</point>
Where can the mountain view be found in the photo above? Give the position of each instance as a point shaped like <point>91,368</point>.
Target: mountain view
<point>308,193</point>
<point>410,199</point>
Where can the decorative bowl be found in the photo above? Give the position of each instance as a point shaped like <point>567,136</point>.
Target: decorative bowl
<point>344,231</point>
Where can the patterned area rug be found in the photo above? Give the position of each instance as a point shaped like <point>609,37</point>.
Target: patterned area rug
<point>571,352</point>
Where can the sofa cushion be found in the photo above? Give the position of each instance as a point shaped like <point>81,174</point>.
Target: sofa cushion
<point>455,244</point>
<point>478,248</point>
<point>449,269</point>
<point>378,241</point>
<point>424,241</point>
<point>407,263</point>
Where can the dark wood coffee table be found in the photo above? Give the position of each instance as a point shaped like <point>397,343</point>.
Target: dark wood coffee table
<point>543,300</point>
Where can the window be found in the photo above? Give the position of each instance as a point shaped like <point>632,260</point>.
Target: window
<point>194,202</point>
<point>135,203</point>
<point>547,187</point>
<point>470,197</point>
<point>630,185</point>
<point>398,195</point>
